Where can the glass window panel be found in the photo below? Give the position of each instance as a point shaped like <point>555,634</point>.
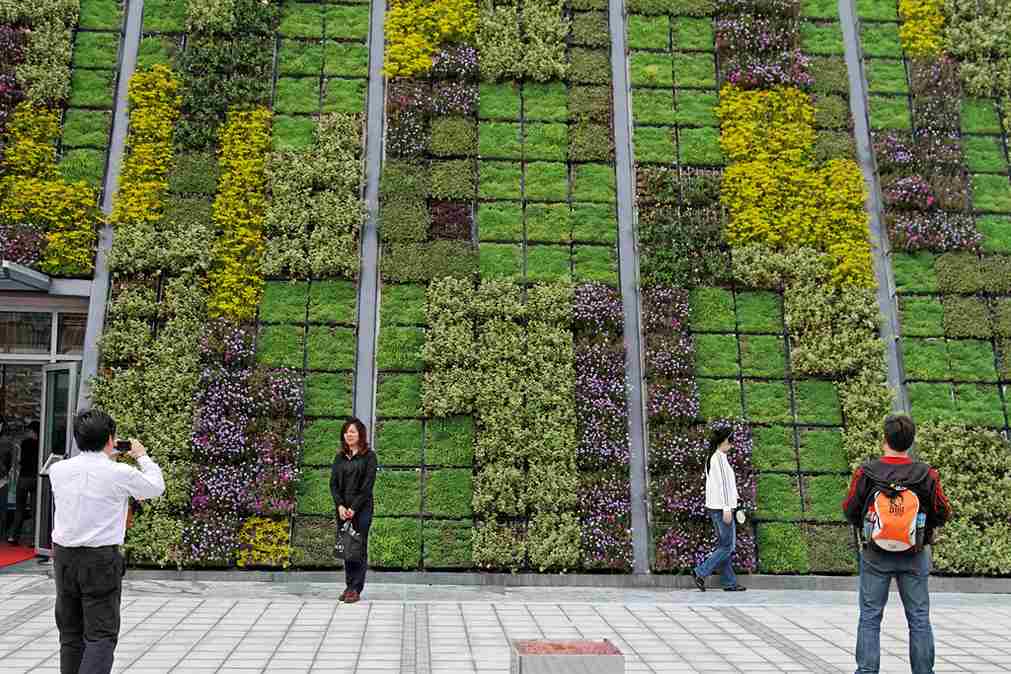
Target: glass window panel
<point>70,339</point>
<point>24,332</point>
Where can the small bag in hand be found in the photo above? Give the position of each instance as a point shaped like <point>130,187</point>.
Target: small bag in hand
<point>348,545</point>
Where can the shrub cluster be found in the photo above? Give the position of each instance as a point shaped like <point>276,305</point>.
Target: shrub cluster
<point>976,34</point>
<point>40,35</point>
<point>525,40</point>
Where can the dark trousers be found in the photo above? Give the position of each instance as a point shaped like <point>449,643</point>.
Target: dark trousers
<point>89,583</point>
<point>354,572</point>
<point>26,488</point>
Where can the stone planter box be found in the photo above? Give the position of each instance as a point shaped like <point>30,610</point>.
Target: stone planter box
<point>545,656</point>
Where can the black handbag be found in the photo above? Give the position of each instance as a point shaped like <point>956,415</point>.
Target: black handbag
<point>348,545</point>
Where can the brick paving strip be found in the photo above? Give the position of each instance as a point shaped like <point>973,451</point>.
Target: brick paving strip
<point>771,637</point>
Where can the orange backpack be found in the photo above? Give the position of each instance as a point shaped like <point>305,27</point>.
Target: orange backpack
<point>892,520</point>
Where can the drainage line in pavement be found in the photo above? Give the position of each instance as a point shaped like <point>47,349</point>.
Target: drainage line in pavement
<point>367,326</point>
<point>771,637</point>
<point>881,248</point>
<point>628,265</point>
<point>129,43</point>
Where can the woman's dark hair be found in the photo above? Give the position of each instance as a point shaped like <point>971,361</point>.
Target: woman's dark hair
<point>900,431</point>
<point>718,436</point>
<point>92,430</point>
<point>363,436</point>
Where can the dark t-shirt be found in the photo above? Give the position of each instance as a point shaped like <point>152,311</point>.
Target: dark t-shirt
<point>29,457</point>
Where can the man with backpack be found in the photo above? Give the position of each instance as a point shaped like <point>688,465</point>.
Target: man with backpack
<point>896,504</point>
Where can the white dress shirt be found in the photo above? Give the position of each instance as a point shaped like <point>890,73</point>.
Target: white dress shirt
<point>721,483</point>
<point>91,493</point>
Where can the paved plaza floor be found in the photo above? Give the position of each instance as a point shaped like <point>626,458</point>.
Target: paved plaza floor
<point>239,627</point>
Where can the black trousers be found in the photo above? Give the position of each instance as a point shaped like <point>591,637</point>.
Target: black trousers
<point>354,572</point>
<point>26,486</point>
<point>89,585</point>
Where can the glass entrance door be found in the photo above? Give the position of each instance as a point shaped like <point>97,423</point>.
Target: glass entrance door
<point>59,400</point>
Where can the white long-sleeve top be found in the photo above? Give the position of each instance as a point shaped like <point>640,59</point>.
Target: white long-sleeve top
<point>92,493</point>
<point>721,483</point>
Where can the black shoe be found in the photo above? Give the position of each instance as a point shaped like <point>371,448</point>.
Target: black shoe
<point>344,595</point>
<point>735,588</point>
<point>700,582</point>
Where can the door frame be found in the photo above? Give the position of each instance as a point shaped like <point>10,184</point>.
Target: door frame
<point>42,488</point>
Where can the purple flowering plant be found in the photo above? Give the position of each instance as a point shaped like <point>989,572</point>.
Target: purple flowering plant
<point>934,230</point>
<point>605,507</point>
<point>787,68</point>
<point>686,543</point>
<point>455,62</point>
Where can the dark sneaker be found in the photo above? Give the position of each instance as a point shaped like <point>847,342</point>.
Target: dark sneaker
<point>735,588</point>
<point>700,582</point>
<point>344,595</point>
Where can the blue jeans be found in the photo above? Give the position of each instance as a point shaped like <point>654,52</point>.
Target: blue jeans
<point>721,558</point>
<point>911,573</point>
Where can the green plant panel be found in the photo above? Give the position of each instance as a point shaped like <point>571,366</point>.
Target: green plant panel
<point>996,231</point>
<point>547,142</point>
<point>545,102</point>
<point>341,95</point>
<point>328,394</point>
<point>322,442</point>
<point>881,39</point>
<point>985,154</point>
<point>651,70</point>
<point>449,442</point>
<point>759,311</point>
<point>589,66</point>
<point>284,302</point>
<point>825,39</point>
<point>447,544</point>
<point>979,405</point>
<point>448,492</point>
<point>593,223</point>
<point>551,223</point>
<point>829,145</point>
<point>716,355</point>
<point>971,360</point>
<point>980,116</point>
<point>297,95</point>
<point>500,140</point>
<point>280,346</point>
<point>96,50</point>
<point>832,112</point>
<point>822,497</point>
<point>160,16</point>
<point>592,182</point>
<point>395,543</point>
<point>817,402</point>
<point>312,542</point>
<point>925,358</point>
<point>691,34</point>
<point>821,450</point>
<point>313,493</point>
<point>403,304</point>
<point>1002,317</point>
<point>712,309</point>
<point>499,180</point>
<point>720,398</point>
<point>330,348</point>
<point>84,164</point>
<point>649,32</point>
<point>782,548</point>
<point>499,101</point>
<point>400,348</point>
<point>831,549</point>
<point>695,108</point>
<point>333,302</point>
<point>595,263</point>
<point>921,316</point>
<point>652,106</point>
<point>700,147</point>
<point>501,261</point>
<point>297,57</point>
<point>767,401</point>
<point>914,272</point>
<point>292,133</point>
<point>932,402</point>
<point>154,50</point>
<point>763,356</point>
<point>347,22</point>
<point>695,70</point>
<point>773,448</point>
<point>106,14</point>
<point>966,317</point>
<point>889,112</point>
<point>500,221</point>
<point>877,10</point>
<point>92,88</point>
<point>86,128</point>
<point>452,179</point>
<point>301,20</point>
<point>347,59</point>
<point>832,75</point>
<point>991,193</point>
<point>886,76</point>
<point>778,497</point>
<point>819,9</point>
<point>654,145</point>
<point>397,492</point>
<point>960,272</point>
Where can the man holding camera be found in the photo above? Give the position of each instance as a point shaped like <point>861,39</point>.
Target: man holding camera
<point>92,494</point>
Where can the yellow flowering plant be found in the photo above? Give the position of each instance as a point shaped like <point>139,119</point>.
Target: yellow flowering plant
<point>264,542</point>
<point>921,29</point>
<point>415,29</point>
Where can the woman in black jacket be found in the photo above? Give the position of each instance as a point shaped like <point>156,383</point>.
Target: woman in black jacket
<point>351,481</point>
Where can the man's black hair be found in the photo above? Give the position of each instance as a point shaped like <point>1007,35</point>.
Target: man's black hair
<point>92,430</point>
<point>900,431</point>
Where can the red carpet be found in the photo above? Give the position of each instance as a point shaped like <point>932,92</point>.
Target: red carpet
<point>12,554</point>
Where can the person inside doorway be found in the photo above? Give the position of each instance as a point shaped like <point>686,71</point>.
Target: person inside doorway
<point>28,479</point>
<point>6,468</point>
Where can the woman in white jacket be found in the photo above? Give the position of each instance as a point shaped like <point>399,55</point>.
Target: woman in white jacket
<point>721,500</point>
